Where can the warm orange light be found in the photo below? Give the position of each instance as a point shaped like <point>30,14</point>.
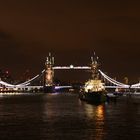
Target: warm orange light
<point>100,112</point>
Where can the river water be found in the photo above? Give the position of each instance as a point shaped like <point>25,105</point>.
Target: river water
<point>62,116</point>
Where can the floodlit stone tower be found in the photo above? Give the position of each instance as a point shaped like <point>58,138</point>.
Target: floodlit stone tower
<point>49,74</point>
<point>94,67</point>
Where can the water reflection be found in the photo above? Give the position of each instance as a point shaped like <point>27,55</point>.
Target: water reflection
<point>100,112</point>
<point>100,122</point>
<point>96,116</point>
<point>65,117</point>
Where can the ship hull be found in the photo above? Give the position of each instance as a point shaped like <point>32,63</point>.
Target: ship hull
<point>49,89</point>
<point>93,97</point>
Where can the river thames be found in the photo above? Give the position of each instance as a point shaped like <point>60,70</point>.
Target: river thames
<point>62,116</point>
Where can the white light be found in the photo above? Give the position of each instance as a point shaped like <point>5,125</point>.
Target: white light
<point>71,66</point>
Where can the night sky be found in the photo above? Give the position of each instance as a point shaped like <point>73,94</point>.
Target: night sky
<point>71,30</point>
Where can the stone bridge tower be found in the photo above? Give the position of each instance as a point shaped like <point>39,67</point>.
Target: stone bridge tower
<point>49,74</point>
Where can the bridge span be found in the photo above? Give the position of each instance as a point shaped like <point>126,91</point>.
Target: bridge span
<point>48,76</point>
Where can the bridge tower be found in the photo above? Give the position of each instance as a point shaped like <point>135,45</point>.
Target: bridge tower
<point>49,74</point>
<point>94,67</point>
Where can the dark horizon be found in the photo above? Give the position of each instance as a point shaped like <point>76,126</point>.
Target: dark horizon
<point>72,31</point>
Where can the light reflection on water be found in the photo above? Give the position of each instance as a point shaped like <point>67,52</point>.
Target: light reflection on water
<point>96,114</point>
<point>64,117</point>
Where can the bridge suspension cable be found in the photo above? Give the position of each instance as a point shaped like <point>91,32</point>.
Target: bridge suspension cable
<point>26,83</point>
<point>113,81</point>
<point>30,80</point>
<point>6,84</point>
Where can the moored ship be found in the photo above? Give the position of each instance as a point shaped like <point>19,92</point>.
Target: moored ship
<point>94,89</point>
<point>93,92</point>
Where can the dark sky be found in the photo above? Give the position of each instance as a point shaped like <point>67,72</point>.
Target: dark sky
<point>71,30</point>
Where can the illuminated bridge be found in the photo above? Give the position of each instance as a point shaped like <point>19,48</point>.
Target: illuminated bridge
<point>47,75</point>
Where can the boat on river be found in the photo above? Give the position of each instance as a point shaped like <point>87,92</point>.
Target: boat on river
<point>94,92</point>
<point>94,89</point>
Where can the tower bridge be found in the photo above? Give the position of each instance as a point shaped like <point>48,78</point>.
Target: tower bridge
<point>48,77</point>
